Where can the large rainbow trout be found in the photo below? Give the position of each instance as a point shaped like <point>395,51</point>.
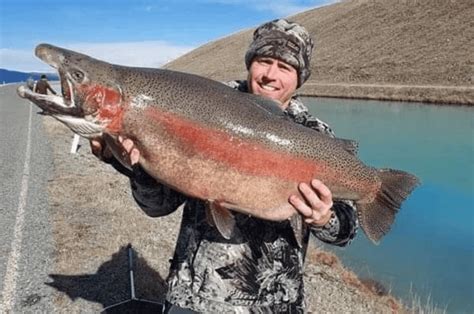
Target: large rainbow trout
<point>235,150</point>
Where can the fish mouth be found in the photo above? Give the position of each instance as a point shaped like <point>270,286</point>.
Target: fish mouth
<point>57,107</point>
<point>53,104</point>
<point>67,89</point>
<point>54,58</point>
<point>50,104</point>
<point>64,107</point>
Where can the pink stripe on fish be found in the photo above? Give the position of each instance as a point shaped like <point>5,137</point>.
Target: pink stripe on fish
<point>245,156</point>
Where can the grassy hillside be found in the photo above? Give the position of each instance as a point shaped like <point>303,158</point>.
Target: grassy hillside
<point>417,50</point>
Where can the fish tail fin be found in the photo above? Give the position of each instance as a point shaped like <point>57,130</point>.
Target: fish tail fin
<point>377,217</point>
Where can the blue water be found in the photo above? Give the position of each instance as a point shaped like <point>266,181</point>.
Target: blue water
<point>430,249</point>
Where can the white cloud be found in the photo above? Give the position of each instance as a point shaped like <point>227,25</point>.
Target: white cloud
<point>141,54</point>
<point>21,60</point>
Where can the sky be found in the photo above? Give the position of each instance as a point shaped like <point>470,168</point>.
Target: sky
<point>146,33</point>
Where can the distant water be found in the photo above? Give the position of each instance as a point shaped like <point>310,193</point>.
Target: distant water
<point>430,249</point>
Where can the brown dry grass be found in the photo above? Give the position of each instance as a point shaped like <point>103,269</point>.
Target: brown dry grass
<point>372,290</point>
<point>414,50</point>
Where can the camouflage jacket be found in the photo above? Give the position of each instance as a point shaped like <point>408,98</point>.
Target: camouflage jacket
<point>258,270</point>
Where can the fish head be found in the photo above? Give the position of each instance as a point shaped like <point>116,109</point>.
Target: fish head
<point>91,97</point>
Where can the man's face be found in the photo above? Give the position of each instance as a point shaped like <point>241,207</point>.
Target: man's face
<point>272,78</point>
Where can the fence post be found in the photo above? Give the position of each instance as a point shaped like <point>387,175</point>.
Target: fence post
<point>75,144</point>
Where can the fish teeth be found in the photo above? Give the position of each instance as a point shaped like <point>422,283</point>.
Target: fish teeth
<point>71,93</point>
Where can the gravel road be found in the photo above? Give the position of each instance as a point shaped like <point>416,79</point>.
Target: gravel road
<point>25,230</point>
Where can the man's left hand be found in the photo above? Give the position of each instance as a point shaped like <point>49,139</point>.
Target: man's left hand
<point>316,205</point>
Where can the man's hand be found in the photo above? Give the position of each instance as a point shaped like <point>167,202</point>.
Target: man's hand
<point>317,203</point>
<point>132,151</point>
<point>100,150</point>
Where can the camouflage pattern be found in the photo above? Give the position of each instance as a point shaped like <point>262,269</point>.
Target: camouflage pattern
<point>286,41</point>
<point>258,270</point>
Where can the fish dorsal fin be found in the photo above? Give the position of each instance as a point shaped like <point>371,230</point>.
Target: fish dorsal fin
<point>350,146</point>
<point>267,104</point>
<point>221,218</point>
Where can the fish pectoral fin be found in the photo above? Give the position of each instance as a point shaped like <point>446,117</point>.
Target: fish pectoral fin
<point>221,217</point>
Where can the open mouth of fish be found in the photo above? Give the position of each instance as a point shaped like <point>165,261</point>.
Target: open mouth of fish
<point>54,104</point>
<point>63,106</point>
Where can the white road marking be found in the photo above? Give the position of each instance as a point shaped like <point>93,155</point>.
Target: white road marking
<point>9,283</point>
<point>75,144</point>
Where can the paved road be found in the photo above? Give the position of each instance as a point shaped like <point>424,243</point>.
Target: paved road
<point>26,251</point>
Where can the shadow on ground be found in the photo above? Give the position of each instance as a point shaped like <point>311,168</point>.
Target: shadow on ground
<point>111,283</point>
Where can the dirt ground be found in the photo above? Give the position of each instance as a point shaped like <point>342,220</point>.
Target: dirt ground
<point>95,218</point>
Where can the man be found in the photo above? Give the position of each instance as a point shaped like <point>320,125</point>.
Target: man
<point>42,86</point>
<point>260,268</point>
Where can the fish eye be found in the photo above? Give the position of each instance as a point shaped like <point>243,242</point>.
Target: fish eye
<point>77,75</point>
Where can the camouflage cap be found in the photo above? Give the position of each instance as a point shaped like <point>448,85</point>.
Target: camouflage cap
<point>287,41</point>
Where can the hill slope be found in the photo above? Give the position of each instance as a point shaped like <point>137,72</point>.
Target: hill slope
<point>415,50</point>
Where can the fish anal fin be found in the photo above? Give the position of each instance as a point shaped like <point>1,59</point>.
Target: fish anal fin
<point>221,217</point>
<point>209,216</point>
<point>377,217</point>
<point>298,226</point>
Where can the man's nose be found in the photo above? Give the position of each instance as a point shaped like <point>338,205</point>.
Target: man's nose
<point>271,71</point>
